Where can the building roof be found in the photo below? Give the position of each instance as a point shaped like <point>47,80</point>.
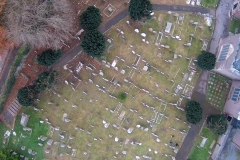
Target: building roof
<point>228,57</point>
<point>232,105</point>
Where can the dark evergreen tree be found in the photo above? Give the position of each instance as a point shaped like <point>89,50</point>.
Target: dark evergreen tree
<point>48,57</point>
<point>139,9</point>
<point>193,112</point>
<point>206,61</point>
<point>45,80</point>
<point>217,123</point>
<point>27,95</point>
<point>91,18</point>
<point>94,43</point>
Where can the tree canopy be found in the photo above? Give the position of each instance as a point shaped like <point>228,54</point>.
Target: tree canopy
<point>48,57</point>
<point>139,9</point>
<point>94,43</point>
<point>206,61</point>
<point>27,95</point>
<point>45,23</point>
<point>91,18</point>
<point>217,123</point>
<point>45,80</point>
<point>193,112</point>
<point>6,155</point>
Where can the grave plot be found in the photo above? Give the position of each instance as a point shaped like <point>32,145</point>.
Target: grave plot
<point>87,119</point>
<point>217,90</point>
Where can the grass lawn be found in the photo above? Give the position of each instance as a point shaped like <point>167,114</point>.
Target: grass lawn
<point>203,153</point>
<point>31,140</point>
<point>209,3</point>
<point>217,90</point>
<point>95,124</point>
<point>235,26</point>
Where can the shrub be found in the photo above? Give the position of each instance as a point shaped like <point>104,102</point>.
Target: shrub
<point>139,9</point>
<point>7,155</point>
<point>94,43</point>
<point>27,95</point>
<point>122,96</point>
<point>206,61</point>
<point>48,57</point>
<point>193,112</point>
<point>91,18</point>
<point>217,123</point>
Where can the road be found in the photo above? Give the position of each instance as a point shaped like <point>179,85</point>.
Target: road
<point>222,24</point>
<point>7,67</point>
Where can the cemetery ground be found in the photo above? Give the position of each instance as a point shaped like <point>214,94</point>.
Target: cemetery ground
<point>235,26</point>
<point>155,70</point>
<point>204,145</point>
<point>217,90</point>
<point>24,141</point>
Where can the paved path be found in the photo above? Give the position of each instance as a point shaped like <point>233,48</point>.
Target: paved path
<point>195,129</point>
<point>76,50</point>
<point>222,24</point>
<point>7,67</point>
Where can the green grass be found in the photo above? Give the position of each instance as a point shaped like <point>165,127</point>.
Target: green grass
<point>202,153</point>
<point>235,26</point>
<point>209,3</point>
<point>31,140</point>
<point>23,51</point>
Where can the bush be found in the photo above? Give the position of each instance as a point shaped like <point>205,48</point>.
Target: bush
<point>27,95</point>
<point>139,9</point>
<point>217,123</point>
<point>48,57</point>
<point>206,61</point>
<point>45,80</point>
<point>94,43</point>
<point>7,155</point>
<point>91,18</point>
<point>193,112</point>
<point>122,96</point>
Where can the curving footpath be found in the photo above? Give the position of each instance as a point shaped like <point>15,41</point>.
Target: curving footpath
<point>78,49</point>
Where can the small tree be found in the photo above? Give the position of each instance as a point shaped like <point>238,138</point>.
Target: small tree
<point>27,95</point>
<point>91,18</point>
<point>139,9</point>
<point>206,61</point>
<point>45,80</point>
<point>217,123</point>
<point>193,112</point>
<point>94,43</point>
<point>122,96</point>
<point>48,57</point>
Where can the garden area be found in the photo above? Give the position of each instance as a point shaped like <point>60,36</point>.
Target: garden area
<point>204,145</point>
<point>217,90</point>
<point>130,103</point>
<point>209,3</point>
<point>235,26</point>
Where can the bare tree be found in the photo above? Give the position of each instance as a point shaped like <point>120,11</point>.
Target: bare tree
<point>40,23</point>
